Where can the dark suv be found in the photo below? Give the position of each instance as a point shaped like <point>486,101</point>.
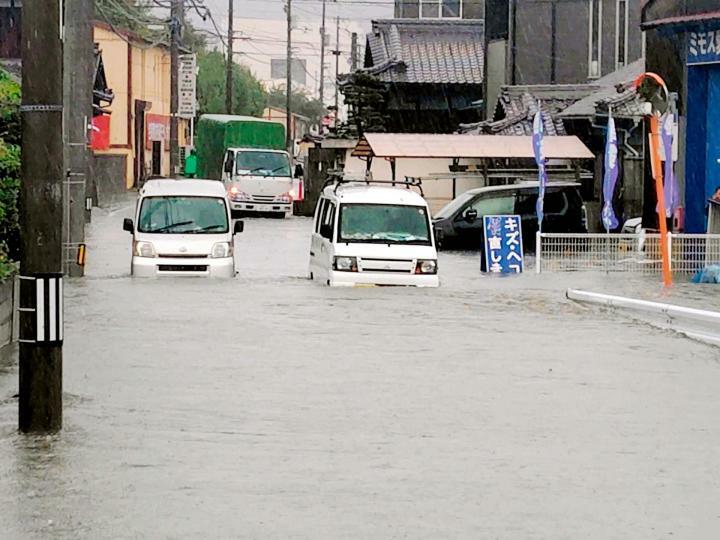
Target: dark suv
<point>460,224</point>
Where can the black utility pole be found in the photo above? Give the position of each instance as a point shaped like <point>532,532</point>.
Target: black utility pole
<point>177,14</point>
<point>41,202</point>
<point>229,63</point>
<point>78,87</point>
<point>288,82</point>
<point>322,55</point>
<point>354,52</point>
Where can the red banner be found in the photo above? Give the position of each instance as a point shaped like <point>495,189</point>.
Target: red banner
<point>100,136</point>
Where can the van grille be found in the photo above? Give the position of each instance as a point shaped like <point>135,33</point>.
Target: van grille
<point>182,268</point>
<point>394,266</point>
<point>263,198</point>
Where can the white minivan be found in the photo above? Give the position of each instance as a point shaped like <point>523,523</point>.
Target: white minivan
<point>368,234</point>
<point>183,228</point>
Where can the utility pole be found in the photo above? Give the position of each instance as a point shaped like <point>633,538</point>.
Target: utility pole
<point>288,82</point>
<point>177,14</point>
<point>229,64</point>
<point>40,404</point>
<point>322,55</point>
<point>336,52</point>
<point>354,52</point>
<point>77,98</point>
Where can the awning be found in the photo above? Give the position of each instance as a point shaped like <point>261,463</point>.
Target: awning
<point>682,21</point>
<point>410,145</point>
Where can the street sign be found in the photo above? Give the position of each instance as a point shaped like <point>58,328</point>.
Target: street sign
<point>503,244</point>
<point>187,86</point>
<point>704,46</point>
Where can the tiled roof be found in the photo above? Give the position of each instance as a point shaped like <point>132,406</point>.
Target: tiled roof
<point>625,103</point>
<point>427,51</point>
<point>517,106</point>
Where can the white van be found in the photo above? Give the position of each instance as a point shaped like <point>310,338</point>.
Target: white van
<point>183,228</point>
<point>367,234</point>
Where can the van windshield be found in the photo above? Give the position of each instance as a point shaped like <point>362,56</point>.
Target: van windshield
<point>183,215</point>
<point>384,224</point>
<point>259,163</point>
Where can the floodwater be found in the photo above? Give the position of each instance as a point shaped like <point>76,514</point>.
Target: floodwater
<point>272,407</point>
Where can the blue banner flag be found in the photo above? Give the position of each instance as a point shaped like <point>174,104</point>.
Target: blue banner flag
<point>609,219</point>
<point>672,197</point>
<point>537,139</point>
<point>503,244</point>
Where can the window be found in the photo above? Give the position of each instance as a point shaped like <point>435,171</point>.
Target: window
<point>258,163</point>
<point>442,9</point>
<point>320,213</point>
<point>595,41</point>
<point>621,34</point>
<point>490,206</point>
<point>183,215</point>
<point>384,224</point>
<point>328,220</point>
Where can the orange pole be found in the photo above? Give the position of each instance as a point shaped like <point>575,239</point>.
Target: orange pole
<point>660,193</point>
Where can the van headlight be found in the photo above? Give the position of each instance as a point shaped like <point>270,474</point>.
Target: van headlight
<point>145,249</point>
<point>345,264</point>
<point>221,250</point>
<point>286,198</point>
<point>426,267</point>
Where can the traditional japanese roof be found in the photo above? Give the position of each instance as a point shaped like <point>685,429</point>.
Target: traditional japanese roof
<point>426,51</point>
<point>517,106</point>
<point>441,146</point>
<point>614,89</point>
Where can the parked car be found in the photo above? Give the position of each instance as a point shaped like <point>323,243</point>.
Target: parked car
<point>459,225</point>
<point>367,234</point>
<point>182,228</point>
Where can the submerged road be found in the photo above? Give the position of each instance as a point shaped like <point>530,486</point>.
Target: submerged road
<point>272,407</point>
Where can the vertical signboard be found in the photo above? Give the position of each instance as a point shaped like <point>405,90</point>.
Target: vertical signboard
<point>187,86</point>
<point>503,244</point>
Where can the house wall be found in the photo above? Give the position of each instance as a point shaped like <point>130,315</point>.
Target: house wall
<point>135,72</point>
<point>10,23</point>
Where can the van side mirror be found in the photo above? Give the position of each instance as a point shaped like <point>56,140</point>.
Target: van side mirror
<point>229,166</point>
<point>470,215</point>
<point>299,171</point>
<point>128,225</point>
<point>326,231</point>
<point>239,227</point>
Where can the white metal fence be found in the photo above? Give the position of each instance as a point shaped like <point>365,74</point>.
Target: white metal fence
<point>689,253</point>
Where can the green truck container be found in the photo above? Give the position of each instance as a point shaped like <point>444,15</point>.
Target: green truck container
<point>216,133</point>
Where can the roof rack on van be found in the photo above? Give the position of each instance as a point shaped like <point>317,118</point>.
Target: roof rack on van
<point>338,178</point>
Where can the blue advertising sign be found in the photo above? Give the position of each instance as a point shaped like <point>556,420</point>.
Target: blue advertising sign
<point>704,46</point>
<point>503,244</point>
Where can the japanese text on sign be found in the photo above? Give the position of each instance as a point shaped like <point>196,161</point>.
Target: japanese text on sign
<point>187,86</point>
<point>704,47</point>
<point>503,244</point>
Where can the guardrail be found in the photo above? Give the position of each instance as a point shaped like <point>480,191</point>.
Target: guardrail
<point>640,253</point>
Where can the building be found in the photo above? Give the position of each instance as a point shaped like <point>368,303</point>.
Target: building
<point>299,126</point>
<point>10,23</point>
<point>134,144</point>
<point>532,42</point>
<point>683,47</point>
<point>427,74</point>
<point>440,9</point>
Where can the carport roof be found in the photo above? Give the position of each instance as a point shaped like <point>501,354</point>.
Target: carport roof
<point>413,145</point>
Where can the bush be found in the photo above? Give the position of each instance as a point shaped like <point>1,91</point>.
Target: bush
<point>10,138</point>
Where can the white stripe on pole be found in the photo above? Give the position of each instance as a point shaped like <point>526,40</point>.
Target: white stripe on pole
<point>61,309</point>
<point>40,309</point>
<point>52,309</point>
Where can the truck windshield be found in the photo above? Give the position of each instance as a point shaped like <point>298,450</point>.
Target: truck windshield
<point>384,224</point>
<point>258,163</point>
<point>183,215</point>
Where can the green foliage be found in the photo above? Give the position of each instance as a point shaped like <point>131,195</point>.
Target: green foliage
<point>249,97</point>
<point>300,102</point>
<point>132,15</point>
<point>10,138</point>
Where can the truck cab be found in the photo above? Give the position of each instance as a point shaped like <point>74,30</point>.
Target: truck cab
<point>260,180</point>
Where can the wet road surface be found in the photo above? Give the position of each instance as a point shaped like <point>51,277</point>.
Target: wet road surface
<point>271,407</point>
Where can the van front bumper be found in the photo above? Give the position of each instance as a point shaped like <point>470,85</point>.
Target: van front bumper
<point>169,266</point>
<point>354,279</point>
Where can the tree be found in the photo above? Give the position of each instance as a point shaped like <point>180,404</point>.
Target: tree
<point>9,172</point>
<point>249,96</point>
<point>300,102</point>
